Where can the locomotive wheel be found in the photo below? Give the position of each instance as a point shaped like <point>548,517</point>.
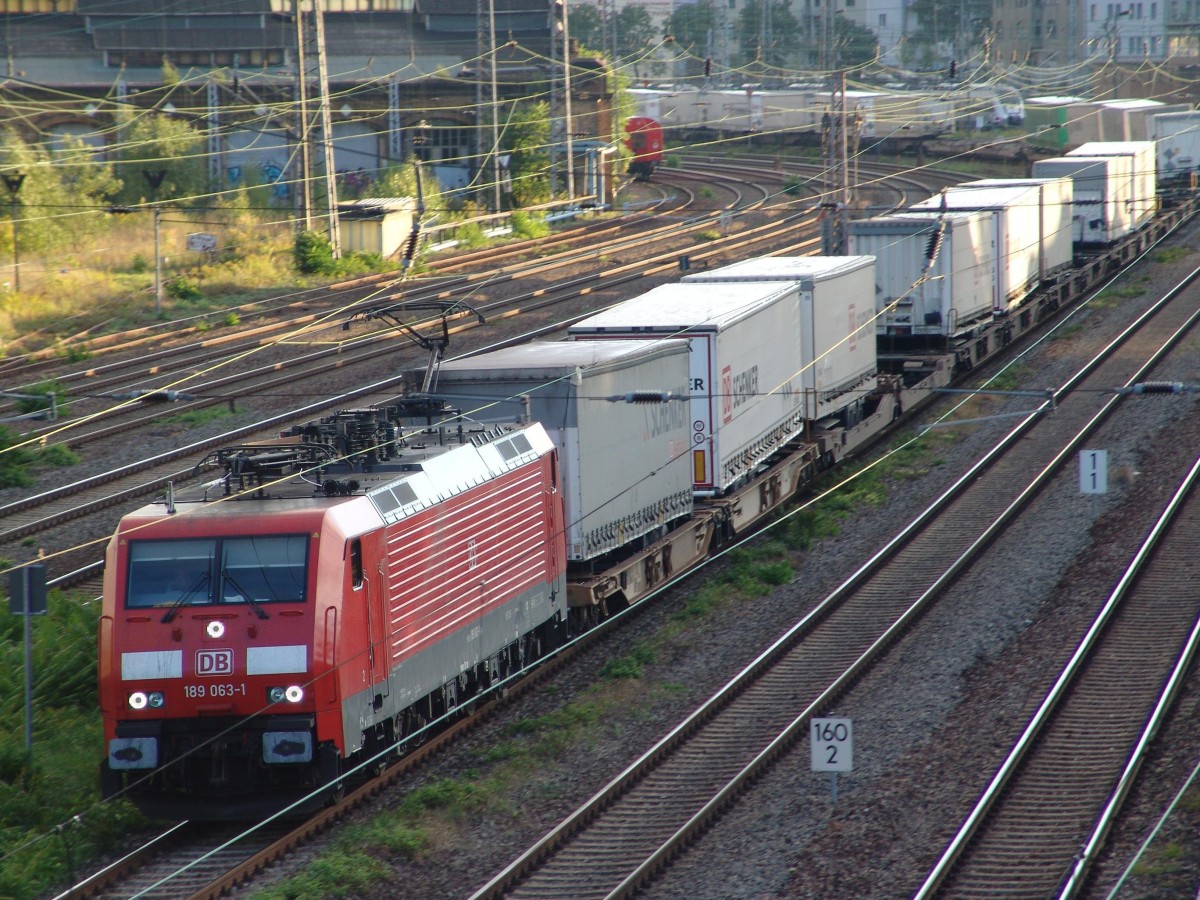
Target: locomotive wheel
<point>413,730</point>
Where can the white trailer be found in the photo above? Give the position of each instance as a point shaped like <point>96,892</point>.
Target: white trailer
<point>747,396</point>
<point>1054,198</point>
<point>1099,214</point>
<point>1143,179</point>
<point>836,297</point>
<point>626,467</point>
<point>1016,212</point>
<point>935,273</point>
<point>1176,139</point>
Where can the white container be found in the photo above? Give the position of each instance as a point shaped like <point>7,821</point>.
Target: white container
<point>1143,179</point>
<point>1129,120</point>
<point>915,295</point>
<point>1099,214</point>
<point>836,297</point>
<point>1055,197</point>
<point>1176,139</point>
<point>747,398</point>
<point>626,467</point>
<point>1016,212</point>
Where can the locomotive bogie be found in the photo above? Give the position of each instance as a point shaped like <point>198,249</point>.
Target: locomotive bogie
<point>625,467</point>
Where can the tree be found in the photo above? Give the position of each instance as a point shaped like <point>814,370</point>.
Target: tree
<point>856,45</point>
<point>61,195</point>
<point>587,27</point>
<point>691,25</point>
<point>158,143</point>
<point>934,23</point>
<point>635,31</point>
<point>768,39</point>
<point>527,138</point>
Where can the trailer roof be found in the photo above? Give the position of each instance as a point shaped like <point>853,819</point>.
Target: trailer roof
<point>689,306</point>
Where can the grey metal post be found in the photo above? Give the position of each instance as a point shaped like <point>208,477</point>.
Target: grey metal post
<point>28,668</point>
<point>158,275</point>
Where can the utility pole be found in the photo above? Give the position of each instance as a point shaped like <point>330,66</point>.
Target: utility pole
<point>13,181</point>
<point>560,38</point>
<point>311,30</point>
<point>154,178</point>
<point>304,194</point>
<point>335,240</point>
<point>493,154</point>
<point>838,147</point>
<point>828,60</point>
<point>496,201</point>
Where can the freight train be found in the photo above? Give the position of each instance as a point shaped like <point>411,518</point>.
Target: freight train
<point>334,591</point>
<point>894,119</point>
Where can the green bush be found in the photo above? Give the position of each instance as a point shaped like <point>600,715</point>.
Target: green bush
<point>313,254</point>
<point>39,399</point>
<point>183,289</point>
<point>471,235</point>
<point>526,225</point>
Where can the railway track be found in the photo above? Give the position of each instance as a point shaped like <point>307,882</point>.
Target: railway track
<point>645,816</point>
<point>1039,826</point>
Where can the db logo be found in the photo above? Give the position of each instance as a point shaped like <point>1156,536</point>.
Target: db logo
<point>214,662</point>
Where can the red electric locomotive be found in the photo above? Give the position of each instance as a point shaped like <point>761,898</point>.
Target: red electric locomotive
<point>645,142</point>
<point>343,587</point>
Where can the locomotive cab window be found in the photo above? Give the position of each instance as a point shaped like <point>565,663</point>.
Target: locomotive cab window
<point>217,570</point>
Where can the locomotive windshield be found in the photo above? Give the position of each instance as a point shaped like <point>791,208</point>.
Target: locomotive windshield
<point>210,571</point>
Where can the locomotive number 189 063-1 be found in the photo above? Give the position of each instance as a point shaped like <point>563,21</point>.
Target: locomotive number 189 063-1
<point>194,691</point>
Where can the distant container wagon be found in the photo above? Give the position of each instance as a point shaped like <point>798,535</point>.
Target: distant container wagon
<point>1053,122</point>
<point>747,398</point>
<point>1099,211</point>
<point>837,351</point>
<point>1017,216</point>
<point>626,469</point>
<point>1143,179</point>
<point>1054,197</point>
<point>934,272</point>
<point>1176,139</point>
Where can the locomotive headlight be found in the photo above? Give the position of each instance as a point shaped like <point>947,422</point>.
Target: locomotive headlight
<point>292,694</point>
<point>138,700</point>
<point>215,629</point>
<point>156,699</point>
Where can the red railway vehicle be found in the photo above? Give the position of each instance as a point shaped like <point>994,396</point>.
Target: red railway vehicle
<point>645,142</point>
<point>349,584</point>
